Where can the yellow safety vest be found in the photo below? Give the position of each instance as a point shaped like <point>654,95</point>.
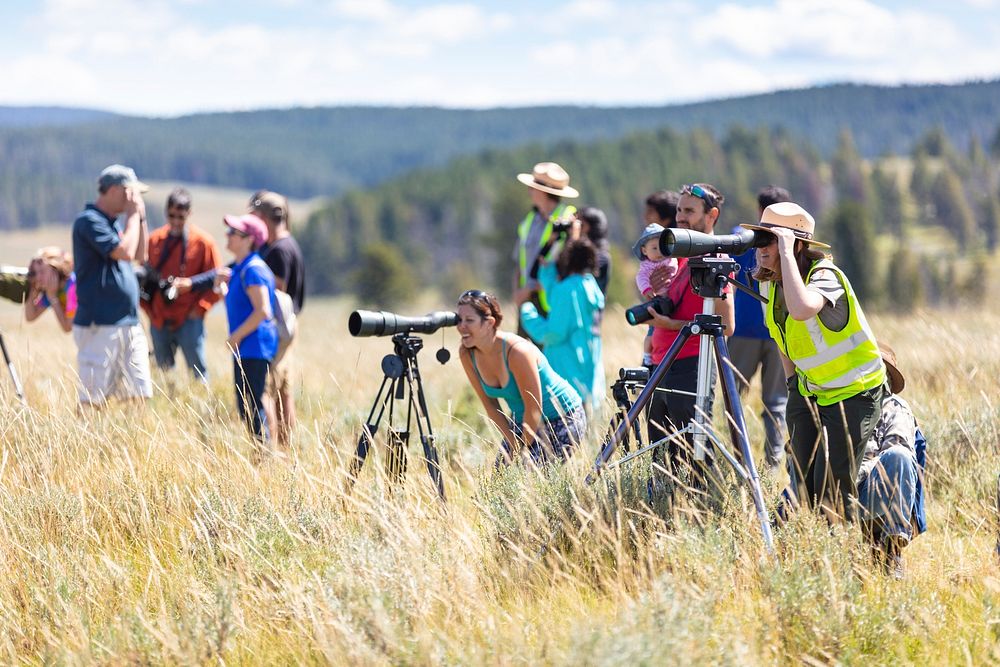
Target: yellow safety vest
<point>831,365</point>
<point>562,211</point>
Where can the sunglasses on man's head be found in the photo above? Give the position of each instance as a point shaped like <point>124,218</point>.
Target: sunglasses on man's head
<point>700,193</point>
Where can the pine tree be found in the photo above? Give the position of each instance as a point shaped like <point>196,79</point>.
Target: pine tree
<point>952,209</point>
<point>383,278</point>
<point>904,286</point>
<point>852,235</point>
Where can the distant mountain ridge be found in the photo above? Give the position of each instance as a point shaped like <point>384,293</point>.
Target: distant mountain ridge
<point>35,116</point>
<point>306,152</point>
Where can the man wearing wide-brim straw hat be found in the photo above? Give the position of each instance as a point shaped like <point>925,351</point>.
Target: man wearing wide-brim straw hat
<point>538,235</point>
<point>831,358</point>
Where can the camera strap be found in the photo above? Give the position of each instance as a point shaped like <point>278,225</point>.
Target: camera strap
<point>168,246</point>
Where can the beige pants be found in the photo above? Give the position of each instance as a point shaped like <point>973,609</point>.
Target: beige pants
<point>113,361</point>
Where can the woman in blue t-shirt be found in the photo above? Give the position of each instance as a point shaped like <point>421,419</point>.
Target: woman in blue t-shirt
<point>547,418</point>
<point>253,335</point>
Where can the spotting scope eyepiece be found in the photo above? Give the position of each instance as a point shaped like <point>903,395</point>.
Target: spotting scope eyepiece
<point>688,243</point>
<point>370,323</point>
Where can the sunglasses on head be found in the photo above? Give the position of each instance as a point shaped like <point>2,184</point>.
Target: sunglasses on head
<point>473,294</point>
<point>700,193</point>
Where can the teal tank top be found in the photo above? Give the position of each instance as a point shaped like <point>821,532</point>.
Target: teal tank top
<point>558,396</point>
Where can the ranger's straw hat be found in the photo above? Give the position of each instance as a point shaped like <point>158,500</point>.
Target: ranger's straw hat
<point>549,177</point>
<point>790,216</point>
<point>896,379</point>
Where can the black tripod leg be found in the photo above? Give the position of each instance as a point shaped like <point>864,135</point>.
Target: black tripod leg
<point>640,402</point>
<point>18,389</point>
<point>426,434</point>
<point>395,456</point>
<point>732,396</point>
<point>368,431</point>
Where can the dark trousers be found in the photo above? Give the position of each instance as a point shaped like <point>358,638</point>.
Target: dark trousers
<point>827,468</point>
<point>669,411</point>
<point>250,377</point>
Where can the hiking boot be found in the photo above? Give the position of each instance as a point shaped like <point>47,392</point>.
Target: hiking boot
<point>888,553</point>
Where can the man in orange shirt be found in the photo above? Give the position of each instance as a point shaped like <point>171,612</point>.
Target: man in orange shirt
<point>178,252</point>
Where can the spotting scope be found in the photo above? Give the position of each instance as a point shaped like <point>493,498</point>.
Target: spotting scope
<point>370,323</point>
<point>688,243</point>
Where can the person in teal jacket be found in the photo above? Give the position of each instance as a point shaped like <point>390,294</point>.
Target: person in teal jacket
<point>570,335</point>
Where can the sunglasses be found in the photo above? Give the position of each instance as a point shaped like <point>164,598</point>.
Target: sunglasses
<point>235,232</point>
<point>700,193</point>
<point>473,294</point>
<point>177,216</point>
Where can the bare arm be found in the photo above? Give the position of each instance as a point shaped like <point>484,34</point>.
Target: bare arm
<point>491,405</point>
<point>726,309</point>
<point>524,367</point>
<point>133,243</point>
<point>802,303</point>
<point>32,309</point>
<point>261,311</point>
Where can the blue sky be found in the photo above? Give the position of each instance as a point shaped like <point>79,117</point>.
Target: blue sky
<point>161,58</point>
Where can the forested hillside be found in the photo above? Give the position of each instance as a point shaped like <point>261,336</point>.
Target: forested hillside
<point>48,171</point>
<point>920,222</point>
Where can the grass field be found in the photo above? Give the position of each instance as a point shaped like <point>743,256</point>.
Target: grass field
<point>149,537</point>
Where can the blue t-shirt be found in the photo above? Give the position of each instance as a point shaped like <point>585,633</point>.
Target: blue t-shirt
<point>263,342</point>
<point>748,310</point>
<point>106,289</point>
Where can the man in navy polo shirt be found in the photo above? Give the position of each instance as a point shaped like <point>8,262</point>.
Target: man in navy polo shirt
<point>112,350</point>
<point>751,347</point>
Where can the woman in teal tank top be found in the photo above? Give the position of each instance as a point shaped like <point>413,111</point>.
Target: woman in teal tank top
<point>547,419</point>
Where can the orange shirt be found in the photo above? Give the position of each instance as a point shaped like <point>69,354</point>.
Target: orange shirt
<point>200,255</point>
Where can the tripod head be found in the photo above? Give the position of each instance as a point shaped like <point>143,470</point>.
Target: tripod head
<point>710,275</point>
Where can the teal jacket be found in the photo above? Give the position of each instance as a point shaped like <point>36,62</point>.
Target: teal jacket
<point>571,333</point>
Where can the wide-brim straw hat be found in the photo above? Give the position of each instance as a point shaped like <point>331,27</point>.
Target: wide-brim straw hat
<point>790,216</point>
<point>549,177</point>
<point>896,380</point>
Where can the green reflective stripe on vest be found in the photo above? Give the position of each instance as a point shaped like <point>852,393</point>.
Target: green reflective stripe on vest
<point>561,211</point>
<point>831,365</point>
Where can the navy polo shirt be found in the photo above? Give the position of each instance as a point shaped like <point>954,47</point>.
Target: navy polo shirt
<point>106,289</point>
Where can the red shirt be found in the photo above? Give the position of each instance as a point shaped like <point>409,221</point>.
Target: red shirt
<point>200,255</point>
<point>690,304</point>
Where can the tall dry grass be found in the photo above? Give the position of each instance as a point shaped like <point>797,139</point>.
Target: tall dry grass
<point>148,536</point>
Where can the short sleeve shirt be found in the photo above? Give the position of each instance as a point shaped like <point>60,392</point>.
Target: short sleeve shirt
<point>263,342</point>
<point>835,312</point>
<point>106,289</point>
<point>284,258</point>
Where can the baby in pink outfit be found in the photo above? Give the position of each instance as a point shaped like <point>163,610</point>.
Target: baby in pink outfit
<point>647,251</point>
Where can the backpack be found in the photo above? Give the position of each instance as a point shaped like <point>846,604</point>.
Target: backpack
<point>285,319</point>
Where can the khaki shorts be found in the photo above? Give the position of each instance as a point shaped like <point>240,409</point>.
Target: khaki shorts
<point>283,376</point>
<point>113,361</point>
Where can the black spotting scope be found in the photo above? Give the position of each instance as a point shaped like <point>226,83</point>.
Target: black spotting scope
<point>370,323</point>
<point>688,243</point>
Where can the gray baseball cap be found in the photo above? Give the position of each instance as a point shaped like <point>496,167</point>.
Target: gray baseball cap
<point>118,174</point>
<point>651,231</point>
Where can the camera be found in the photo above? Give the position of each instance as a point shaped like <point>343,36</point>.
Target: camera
<point>688,243</point>
<point>150,282</point>
<point>640,374</point>
<point>639,314</point>
<point>370,323</point>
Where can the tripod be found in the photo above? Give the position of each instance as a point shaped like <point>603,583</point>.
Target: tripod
<point>18,389</point>
<point>709,276</point>
<point>401,383</point>
<point>629,382</point>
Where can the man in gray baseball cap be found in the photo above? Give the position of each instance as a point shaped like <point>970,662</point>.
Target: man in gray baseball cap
<point>110,234</point>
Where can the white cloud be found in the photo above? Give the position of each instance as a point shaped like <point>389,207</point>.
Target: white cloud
<point>170,58</point>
